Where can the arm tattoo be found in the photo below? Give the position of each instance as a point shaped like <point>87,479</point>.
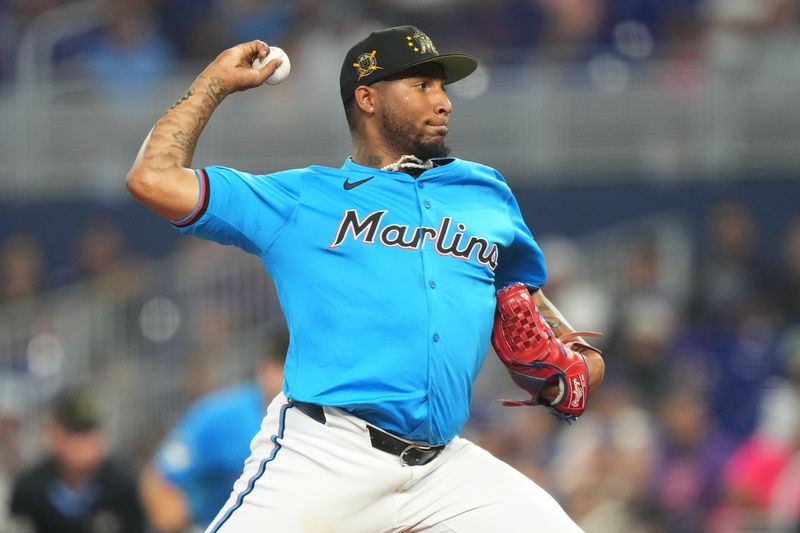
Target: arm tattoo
<point>182,141</point>
<point>174,139</point>
<point>216,90</point>
<point>553,316</point>
<point>185,97</point>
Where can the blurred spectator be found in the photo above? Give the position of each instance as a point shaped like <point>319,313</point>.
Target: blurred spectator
<point>587,305</point>
<point>101,251</point>
<point>631,29</point>
<point>691,453</point>
<point>730,273</point>
<point>730,346</point>
<point>635,29</point>
<point>191,27</point>
<point>645,324</point>
<point>198,29</point>
<point>26,10</point>
<point>7,40</point>
<point>748,37</point>
<point>245,20</point>
<point>128,54</point>
<point>506,30</point>
<point>782,408</point>
<point>785,512</point>
<point>78,488</point>
<point>195,467</point>
<point>22,268</point>
<point>571,26</point>
<point>321,36</point>
<point>733,367</point>
<point>520,436</point>
<point>756,478</point>
<point>13,417</point>
<point>790,279</point>
<point>612,447</point>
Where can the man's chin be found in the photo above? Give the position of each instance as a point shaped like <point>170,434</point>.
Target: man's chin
<point>431,149</point>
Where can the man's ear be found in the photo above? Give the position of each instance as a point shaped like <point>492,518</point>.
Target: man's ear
<point>365,98</point>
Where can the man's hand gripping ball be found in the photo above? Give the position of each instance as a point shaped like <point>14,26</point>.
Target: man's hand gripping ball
<point>536,358</point>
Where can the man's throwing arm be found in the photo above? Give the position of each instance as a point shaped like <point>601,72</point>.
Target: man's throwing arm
<point>160,176</point>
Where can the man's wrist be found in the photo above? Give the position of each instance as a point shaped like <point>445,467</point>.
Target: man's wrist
<point>209,84</point>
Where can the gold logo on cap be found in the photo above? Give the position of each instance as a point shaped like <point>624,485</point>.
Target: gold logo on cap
<point>421,43</point>
<point>366,64</point>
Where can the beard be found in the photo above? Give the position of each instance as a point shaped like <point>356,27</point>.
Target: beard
<point>401,134</point>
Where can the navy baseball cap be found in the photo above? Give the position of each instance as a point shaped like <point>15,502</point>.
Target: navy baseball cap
<point>76,410</point>
<point>384,53</point>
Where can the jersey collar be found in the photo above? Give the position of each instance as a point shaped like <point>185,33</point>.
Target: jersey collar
<point>441,163</point>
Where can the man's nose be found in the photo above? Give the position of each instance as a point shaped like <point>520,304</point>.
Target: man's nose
<point>443,105</point>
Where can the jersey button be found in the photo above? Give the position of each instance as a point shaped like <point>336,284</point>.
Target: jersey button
<point>435,337</point>
<point>427,204</point>
<point>432,284</point>
<point>420,185</point>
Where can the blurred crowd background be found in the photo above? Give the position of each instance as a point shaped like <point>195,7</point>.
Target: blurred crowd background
<point>653,147</point>
<point>153,36</point>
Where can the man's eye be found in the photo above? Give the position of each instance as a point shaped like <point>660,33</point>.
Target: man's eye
<point>422,85</point>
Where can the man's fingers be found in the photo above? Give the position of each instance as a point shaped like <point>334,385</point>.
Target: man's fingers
<point>256,48</point>
<point>269,69</point>
<point>242,65</point>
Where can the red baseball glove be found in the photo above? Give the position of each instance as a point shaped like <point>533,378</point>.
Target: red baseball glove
<point>535,357</point>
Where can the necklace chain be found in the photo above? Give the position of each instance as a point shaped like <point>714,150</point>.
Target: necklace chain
<point>409,161</point>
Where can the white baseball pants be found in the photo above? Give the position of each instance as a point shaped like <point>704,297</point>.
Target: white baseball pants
<point>306,477</point>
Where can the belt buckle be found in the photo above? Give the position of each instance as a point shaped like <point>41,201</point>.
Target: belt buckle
<point>410,448</point>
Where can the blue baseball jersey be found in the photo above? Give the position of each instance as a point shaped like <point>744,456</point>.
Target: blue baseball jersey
<point>387,281</point>
<point>204,454</point>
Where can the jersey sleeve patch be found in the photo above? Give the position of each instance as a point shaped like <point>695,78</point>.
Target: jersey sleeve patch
<point>175,457</point>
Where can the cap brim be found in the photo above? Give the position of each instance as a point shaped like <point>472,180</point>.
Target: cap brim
<point>456,66</point>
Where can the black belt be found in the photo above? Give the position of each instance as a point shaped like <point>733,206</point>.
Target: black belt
<point>411,453</point>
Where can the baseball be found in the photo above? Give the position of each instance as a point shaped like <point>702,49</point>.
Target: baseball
<point>281,72</point>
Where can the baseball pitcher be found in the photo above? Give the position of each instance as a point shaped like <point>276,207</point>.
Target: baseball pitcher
<point>393,272</point>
